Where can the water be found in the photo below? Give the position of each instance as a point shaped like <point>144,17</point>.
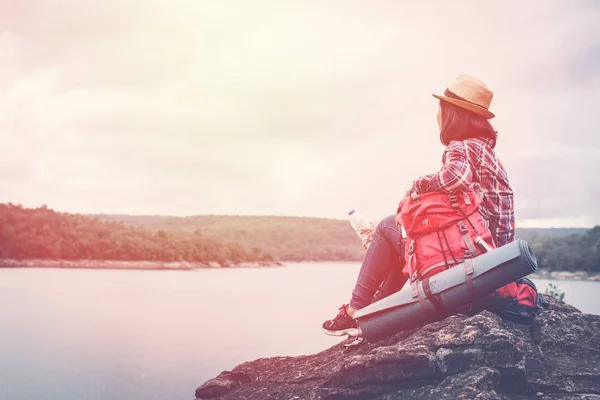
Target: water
<point>157,335</point>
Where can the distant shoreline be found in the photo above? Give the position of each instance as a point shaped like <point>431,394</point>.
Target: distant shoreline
<point>565,275</point>
<point>188,266</point>
<point>130,265</point>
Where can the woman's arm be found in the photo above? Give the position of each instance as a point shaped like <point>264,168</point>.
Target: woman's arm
<point>455,174</point>
<point>505,231</point>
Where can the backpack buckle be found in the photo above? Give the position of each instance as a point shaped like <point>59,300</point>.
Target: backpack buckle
<point>453,200</point>
<point>467,198</point>
<point>462,228</point>
<point>469,266</point>
<point>414,289</point>
<point>414,277</point>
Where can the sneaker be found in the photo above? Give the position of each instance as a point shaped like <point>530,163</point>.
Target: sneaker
<point>353,341</point>
<point>341,325</point>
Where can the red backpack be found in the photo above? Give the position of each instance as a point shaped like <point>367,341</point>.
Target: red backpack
<point>445,229</point>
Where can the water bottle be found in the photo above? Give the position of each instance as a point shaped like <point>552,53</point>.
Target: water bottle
<point>359,223</point>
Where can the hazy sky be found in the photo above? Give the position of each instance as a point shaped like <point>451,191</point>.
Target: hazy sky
<point>289,107</point>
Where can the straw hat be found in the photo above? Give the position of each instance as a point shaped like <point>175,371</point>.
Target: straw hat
<point>471,93</point>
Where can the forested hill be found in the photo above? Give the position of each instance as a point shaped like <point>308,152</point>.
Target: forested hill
<point>285,238</point>
<point>42,233</point>
<point>313,239</point>
<point>575,252</point>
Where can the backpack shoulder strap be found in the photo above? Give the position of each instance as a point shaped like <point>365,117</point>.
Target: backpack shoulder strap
<point>464,231</point>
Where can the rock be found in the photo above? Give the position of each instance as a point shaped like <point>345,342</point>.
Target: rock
<point>221,385</point>
<point>482,357</point>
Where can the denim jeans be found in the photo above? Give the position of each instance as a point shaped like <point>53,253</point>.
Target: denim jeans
<point>381,271</point>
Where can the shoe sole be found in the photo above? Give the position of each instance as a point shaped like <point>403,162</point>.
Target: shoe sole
<point>353,341</point>
<point>349,332</point>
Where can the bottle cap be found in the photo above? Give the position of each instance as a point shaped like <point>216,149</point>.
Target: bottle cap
<point>351,212</point>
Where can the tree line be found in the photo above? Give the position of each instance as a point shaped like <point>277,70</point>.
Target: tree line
<point>574,252</point>
<point>322,239</point>
<point>42,233</point>
<point>285,238</point>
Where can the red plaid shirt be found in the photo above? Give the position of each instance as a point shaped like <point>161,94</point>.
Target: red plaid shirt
<point>474,161</point>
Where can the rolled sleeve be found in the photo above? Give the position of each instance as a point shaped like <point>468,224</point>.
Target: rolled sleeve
<point>455,174</point>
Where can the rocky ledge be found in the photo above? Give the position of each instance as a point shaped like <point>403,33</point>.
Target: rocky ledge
<point>479,357</point>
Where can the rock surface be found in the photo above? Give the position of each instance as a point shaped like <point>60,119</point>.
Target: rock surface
<point>479,357</point>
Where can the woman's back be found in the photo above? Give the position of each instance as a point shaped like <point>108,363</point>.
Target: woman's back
<point>487,170</point>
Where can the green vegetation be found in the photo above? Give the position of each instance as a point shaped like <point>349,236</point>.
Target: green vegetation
<point>45,234</point>
<point>42,233</point>
<point>316,239</point>
<point>554,291</point>
<point>286,238</point>
<point>574,252</point>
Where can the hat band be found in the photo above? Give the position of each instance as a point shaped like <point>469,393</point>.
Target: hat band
<point>448,93</point>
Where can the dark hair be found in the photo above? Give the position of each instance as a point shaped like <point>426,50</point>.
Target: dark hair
<point>461,124</point>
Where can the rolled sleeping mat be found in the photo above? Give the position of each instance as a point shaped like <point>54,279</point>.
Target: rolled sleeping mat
<point>447,291</point>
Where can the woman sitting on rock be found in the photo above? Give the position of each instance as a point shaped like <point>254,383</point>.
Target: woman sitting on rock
<point>469,157</point>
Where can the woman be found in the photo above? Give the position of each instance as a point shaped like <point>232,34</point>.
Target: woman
<point>469,158</point>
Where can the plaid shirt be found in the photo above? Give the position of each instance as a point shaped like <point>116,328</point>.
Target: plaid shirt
<point>474,161</point>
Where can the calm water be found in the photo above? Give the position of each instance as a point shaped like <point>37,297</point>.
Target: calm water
<point>129,335</point>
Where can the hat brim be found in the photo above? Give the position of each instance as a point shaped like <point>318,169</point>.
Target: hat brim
<point>467,106</point>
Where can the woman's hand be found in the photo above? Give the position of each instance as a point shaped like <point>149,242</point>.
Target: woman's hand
<point>399,209</point>
<point>398,218</point>
<point>369,232</point>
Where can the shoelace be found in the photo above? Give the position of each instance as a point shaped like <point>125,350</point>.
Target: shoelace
<point>343,311</point>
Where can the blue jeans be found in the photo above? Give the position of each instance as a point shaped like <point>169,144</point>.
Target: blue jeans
<point>381,271</point>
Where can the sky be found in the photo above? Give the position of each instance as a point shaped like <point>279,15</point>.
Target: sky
<point>297,108</point>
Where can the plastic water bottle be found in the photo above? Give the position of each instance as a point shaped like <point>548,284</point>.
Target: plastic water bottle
<point>359,223</point>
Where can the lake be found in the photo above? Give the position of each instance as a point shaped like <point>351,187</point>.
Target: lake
<point>157,335</point>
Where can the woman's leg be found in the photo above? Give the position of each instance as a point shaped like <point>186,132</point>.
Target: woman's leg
<point>392,284</point>
<point>382,260</point>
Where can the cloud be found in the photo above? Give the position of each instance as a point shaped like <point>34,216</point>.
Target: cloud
<point>294,108</point>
